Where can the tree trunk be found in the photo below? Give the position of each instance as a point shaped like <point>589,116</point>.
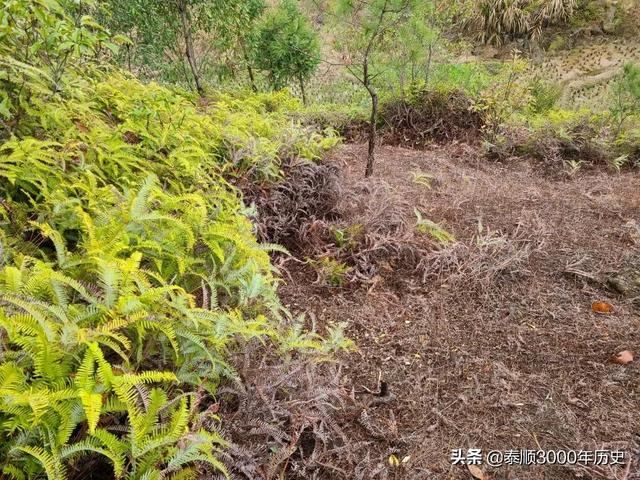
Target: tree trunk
<point>188,41</point>
<point>428,69</point>
<point>303,92</point>
<point>252,78</point>
<point>372,130</point>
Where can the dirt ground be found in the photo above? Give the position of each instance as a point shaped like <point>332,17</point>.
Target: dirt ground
<point>495,345</point>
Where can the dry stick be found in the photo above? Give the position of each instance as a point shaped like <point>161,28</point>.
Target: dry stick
<point>627,470</point>
<point>332,467</point>
<point>445,420</point>
<point>381,386</point>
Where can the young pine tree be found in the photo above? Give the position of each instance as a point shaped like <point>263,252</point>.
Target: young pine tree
<point>371,28</point>
<point>286,47</point>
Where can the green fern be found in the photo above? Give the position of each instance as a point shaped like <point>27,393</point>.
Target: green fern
<point>117,220</point>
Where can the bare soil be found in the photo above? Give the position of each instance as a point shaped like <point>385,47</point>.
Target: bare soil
<point>494,345</point>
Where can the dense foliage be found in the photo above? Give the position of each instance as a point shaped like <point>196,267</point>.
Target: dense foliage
<point>200,40</point>
<point>286,46</point>
<point>176,40</point>
<point>128,266</point>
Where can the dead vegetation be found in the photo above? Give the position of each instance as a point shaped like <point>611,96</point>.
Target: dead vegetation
<point>488,341</point>
<point>280,418</point>
<point>430,116</point>
<point>289,211</point>
<point>348,234</point>
<point>367,231</point>
<point>488,256</point>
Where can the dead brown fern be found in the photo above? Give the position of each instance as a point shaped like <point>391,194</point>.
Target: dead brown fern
<point>430,116</point>
<point>308,193</point>
<point>282,418</point>
<point>315,217</point>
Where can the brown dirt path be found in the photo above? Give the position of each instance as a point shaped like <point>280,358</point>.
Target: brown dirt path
<point>500,351</point>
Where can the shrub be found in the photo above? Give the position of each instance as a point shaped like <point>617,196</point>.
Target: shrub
<point>128,267</point>
<point>561,136</point>
<point>286,46</point>
<point>498,21</point>
<point>505,97</point>
<point>627,146</point>
<point>104,330</point>
<point>470,77</point>
<point>118,118</point>
<point>430,115</point>
<point>349,121</point>
<point>544,96</point>
<point>626,96</point>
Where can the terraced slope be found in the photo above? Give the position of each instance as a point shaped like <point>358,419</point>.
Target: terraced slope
<point>586,73</point>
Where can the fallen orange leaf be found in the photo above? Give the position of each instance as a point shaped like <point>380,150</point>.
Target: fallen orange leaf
<point>476,472</point>
<point>602,307</point>
<point>623,357</point>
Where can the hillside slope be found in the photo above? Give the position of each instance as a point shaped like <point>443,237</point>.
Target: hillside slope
<point>493,343</point>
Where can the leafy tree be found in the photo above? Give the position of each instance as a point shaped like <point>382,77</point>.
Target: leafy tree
<point>371,27</point>
<point>185,32</point>
<point>419,41</point>
<point>40,42</point>
<point>626,100</point>
<point>238,29</point>
<point>286,46</point>
<point>162,28</point>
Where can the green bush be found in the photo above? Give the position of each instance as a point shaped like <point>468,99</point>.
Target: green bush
<point>286,46</point>
<point>347,120</point>
<point>626,96</point>
<point>470,77</point>
<point>102,328</point>
<point>627,146</point>
<point>544,96</point>
<point>561,137</point>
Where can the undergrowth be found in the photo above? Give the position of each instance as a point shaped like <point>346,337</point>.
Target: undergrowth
<point>507,110</point>
<point>129,267</point>
<point>426,116</point>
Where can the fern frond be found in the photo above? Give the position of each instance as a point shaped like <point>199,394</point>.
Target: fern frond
<point>58,241</point>
<point>13,472</point>
<point>90,445</point>
<point>54,469</point>
<point>141,200</point>
<point>92,404</point>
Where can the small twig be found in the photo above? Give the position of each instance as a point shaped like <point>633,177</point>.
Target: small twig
<point>627,469</point>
